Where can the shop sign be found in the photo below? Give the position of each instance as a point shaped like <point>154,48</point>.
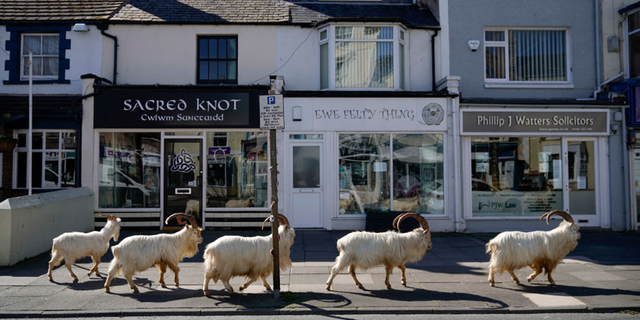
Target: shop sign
<point>131,108</point>
<point>547,122</point>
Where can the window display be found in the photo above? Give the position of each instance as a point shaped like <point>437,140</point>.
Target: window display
<point>400,172</point>
<point>516,176</point>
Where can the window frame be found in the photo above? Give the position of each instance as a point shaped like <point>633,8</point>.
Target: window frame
<point>24,55</point>
<point>399,63</point>
<point>505,82</point>
<point>627,49</point>
<point>198,60</point>
<point>43,149</point>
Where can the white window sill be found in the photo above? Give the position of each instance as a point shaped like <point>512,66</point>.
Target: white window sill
<point>528,86</point>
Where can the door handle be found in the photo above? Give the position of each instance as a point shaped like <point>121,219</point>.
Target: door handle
<point>183,191</point>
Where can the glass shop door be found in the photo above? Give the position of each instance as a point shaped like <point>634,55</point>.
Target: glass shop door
<point>182,180</point>
<point>581,180</point>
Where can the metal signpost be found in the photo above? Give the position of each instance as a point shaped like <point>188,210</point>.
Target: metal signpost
<point>272,119</point>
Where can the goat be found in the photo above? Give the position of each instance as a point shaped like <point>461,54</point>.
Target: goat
<point>365,250</point>
<point>72,246</point>
<point>240,203</point>
<point>404,204</point>
<point>249,257</point>
<point>540,250</point>
<point>138,253</point>
<point>193,208</point>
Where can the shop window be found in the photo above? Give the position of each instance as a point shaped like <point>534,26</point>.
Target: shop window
<point>53,160</point>
<point>514,56</point>
<point>237,170</point>
<point>400,172</point>
<point>129,170</point>
<point>217,60</point>
<point>518,176</point>
<point>359,57</point>
<point>633,33</point>
<point>48,46</point>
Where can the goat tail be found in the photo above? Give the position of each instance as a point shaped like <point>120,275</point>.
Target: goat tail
<point>491,247</point>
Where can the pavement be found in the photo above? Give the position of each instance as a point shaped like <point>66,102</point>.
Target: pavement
<point>601,275</point>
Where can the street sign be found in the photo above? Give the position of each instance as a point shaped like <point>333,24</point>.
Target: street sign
<point>271,112</point>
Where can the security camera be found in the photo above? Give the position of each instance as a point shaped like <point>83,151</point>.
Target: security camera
<point>473,45</point>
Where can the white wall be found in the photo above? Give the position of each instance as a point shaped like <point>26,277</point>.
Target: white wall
<point>152,54</point>
<point>28,224</point>
<point>84,57</point>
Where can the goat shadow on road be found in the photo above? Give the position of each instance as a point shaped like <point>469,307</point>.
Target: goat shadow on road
<point>420,295</point>
<point>310,300</point>
<point>575,291</point>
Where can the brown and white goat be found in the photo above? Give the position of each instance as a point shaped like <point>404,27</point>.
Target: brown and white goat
<point>138,253</point>
<point>366,250</point>
<point>249,257</point>
<point>72,246</point>
<point>540,250</point>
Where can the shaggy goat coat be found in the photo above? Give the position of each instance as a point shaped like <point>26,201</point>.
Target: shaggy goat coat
<point>365,250</point>
<point>72,246</point>
<point>138,253</point>
<point>541,250</point>
<point>249,257</point>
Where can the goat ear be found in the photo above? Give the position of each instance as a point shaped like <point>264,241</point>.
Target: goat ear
<point>118,220</point>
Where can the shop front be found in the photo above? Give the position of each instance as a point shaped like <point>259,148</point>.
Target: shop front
<point>521,163</point>
<point>166,149</point>
<point>353,157</point>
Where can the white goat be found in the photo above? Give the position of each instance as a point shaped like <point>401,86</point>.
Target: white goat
<point>366,250</point>
<point>539,250</point>
<point>138,253</point>
<point>72,246</point>
<point>246,203</point>
<point>249,257</point>
<point>193,208</point>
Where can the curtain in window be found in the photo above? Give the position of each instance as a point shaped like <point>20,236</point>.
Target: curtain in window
<point>364,65</point>
<point>537,55</point>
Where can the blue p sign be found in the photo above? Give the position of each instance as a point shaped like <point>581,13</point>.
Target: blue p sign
<point>271,100</point>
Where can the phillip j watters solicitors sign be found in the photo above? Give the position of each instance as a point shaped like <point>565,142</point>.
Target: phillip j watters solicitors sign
<point>535,122</point>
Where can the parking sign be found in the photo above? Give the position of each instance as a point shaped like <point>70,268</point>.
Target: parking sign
<point>271,112</point>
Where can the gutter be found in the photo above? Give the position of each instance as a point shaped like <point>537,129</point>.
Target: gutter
<point>433,59</point>
<point>102,28</point>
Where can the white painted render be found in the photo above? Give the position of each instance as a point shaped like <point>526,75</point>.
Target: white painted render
<point>84,57</point>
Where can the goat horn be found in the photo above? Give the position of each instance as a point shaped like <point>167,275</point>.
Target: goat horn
<point>180,218</point>
<point>283,220</point>
<point>563,214</point>
<point>109,217</point>
<point>421,219</point>
<point>396,220</point>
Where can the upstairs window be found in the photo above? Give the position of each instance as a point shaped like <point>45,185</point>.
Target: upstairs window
<point>515,56</point>
<point>634,44</point>
<point>44,49</point>
<point>48,46</point>
<point>217,60</point>
<point>359,57</point>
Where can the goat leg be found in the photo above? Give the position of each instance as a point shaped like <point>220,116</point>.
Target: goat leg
<point>265,284</point>
<point>403,276</point>
<point>388,270</point>
<point>68,264</point>
<point>176,271</point>
<point>513,276</point>
<point>352,271</point>
<point>162,268</point>
<point>246,285</point>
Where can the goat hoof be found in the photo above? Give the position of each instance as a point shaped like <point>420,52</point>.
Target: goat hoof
<point>328,287</point>
<point>241,288</point>
<point>552,284</point>
<point>206,293</point>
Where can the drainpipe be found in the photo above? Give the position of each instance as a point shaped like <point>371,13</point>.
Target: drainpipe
<point>433,60</point>
<point>78,119</point>
<point>102,28</point>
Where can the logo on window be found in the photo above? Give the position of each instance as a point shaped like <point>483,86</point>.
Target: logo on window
<point>432,114</point>
<point>183,162</point>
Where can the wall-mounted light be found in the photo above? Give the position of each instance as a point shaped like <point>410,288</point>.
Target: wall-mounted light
<point>80,27</point>
<point>297,113</point>
<point>473,45</point>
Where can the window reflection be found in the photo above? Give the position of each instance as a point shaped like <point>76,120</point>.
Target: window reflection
<point>411,162</point>
<point>129,170</point>
<point>516,176</point>
<point>237,169</point>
